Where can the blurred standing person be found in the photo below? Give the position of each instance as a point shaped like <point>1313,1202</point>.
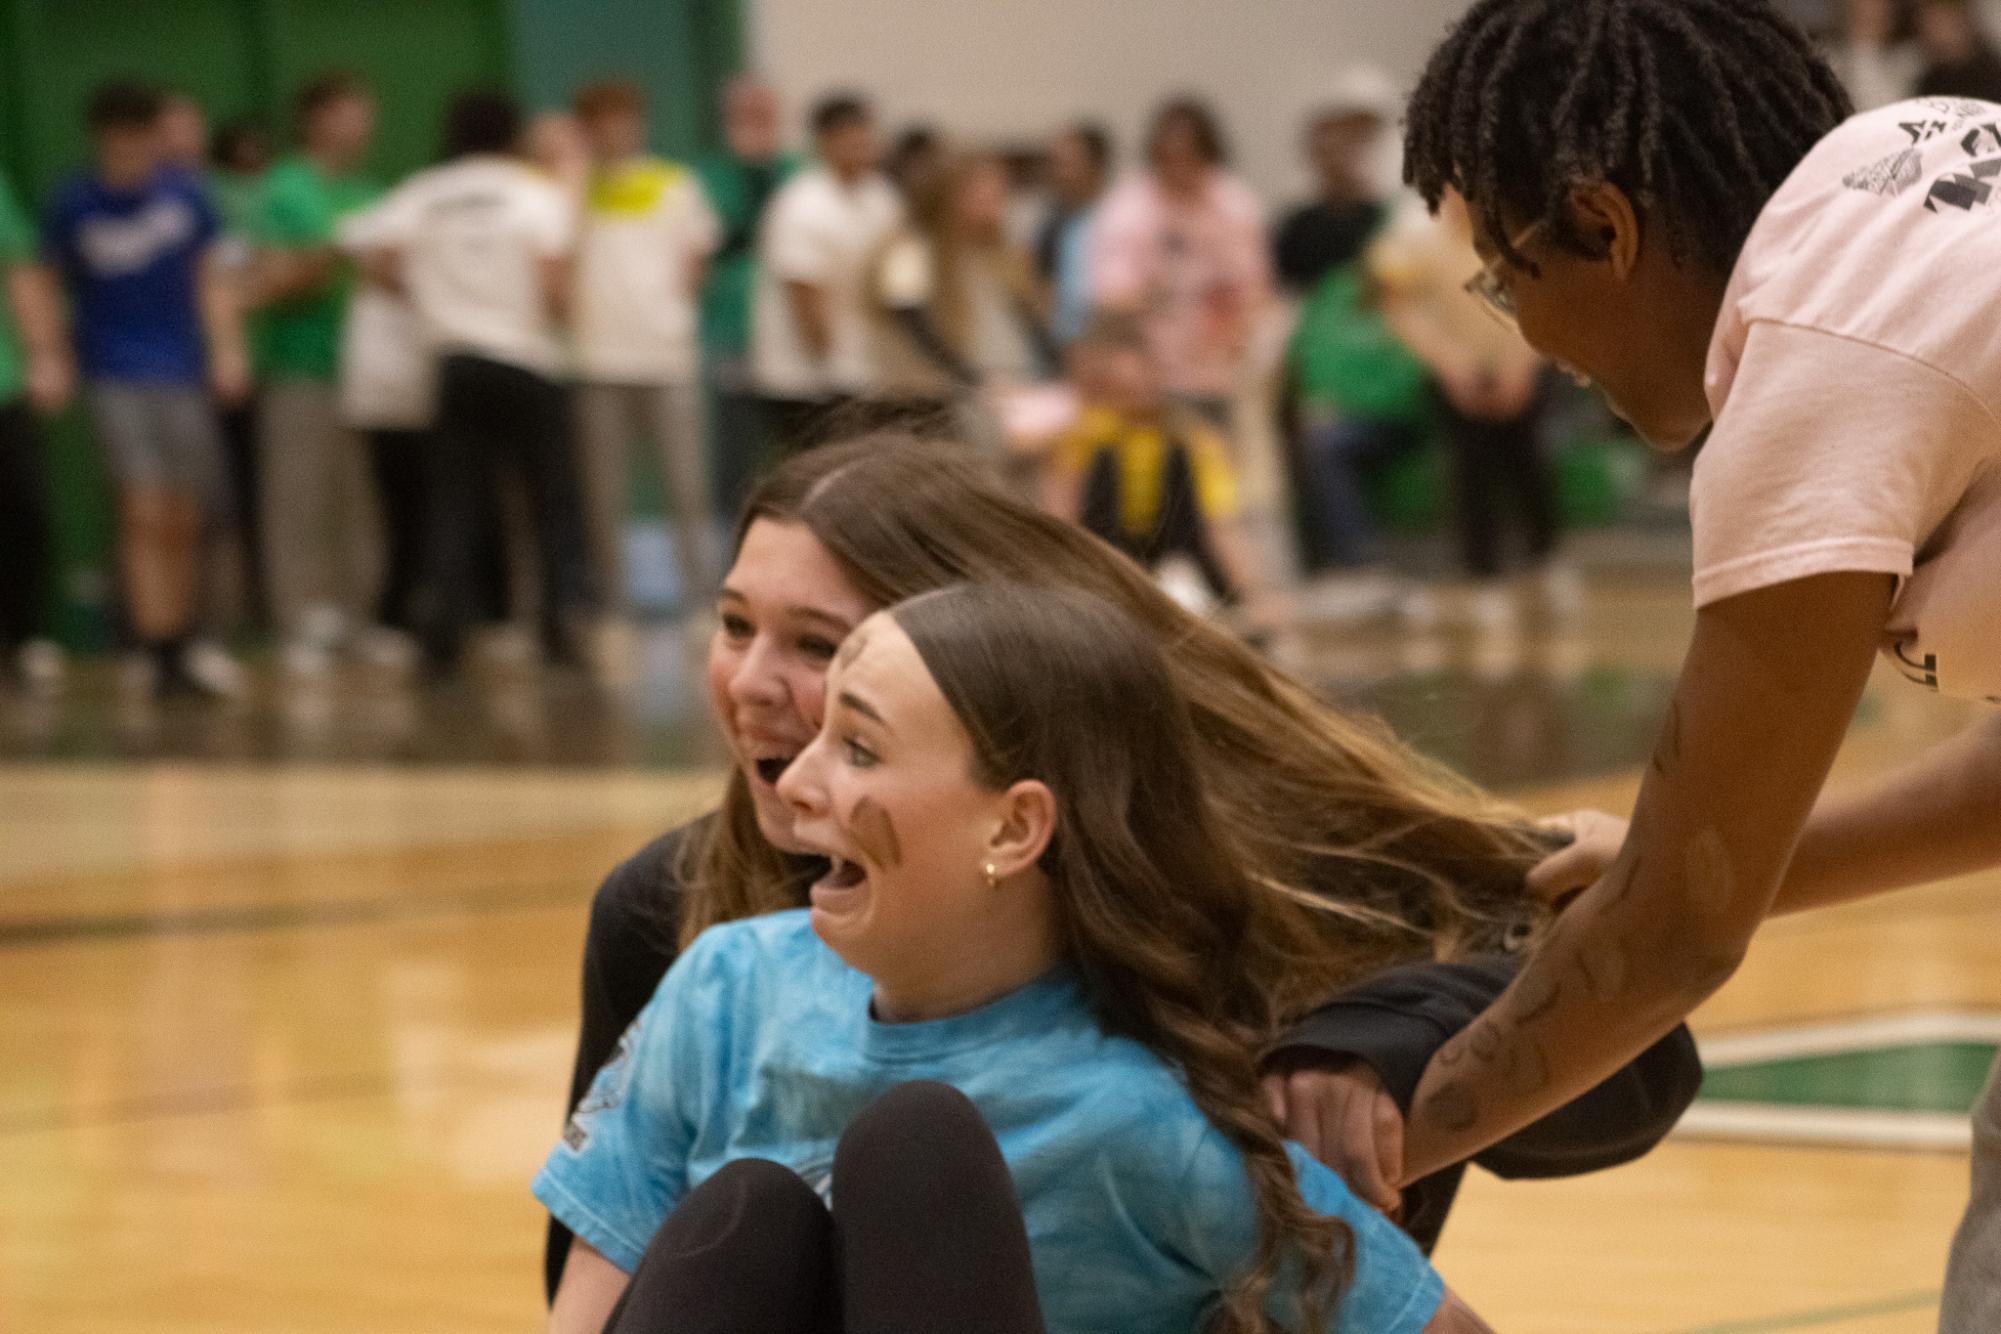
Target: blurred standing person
<point>1491,393</point>
<point>959,306</point>
<point>739,182</point>
<point>1331,230</point>
<point>1182,245</point>
<point>810,322</point>
<point>239,155</point>
<point>36,376</point>
<point>1358,396</point>
<point>1875,54</point>
<point>316,490</point>
<point>388,393</point>
<point>641,262</point>
<point>482,244</point>
<point>157,329</point>
<point>1960,59</point>
<point>1080,167</point>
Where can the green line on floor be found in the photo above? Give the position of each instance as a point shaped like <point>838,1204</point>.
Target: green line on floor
<point>1824,1317</point>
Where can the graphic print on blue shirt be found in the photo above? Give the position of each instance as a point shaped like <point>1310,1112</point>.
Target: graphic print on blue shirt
<point>130,259</point>
<point>759,1044</point>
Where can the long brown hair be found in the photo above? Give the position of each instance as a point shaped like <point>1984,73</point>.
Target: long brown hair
<point>1394,857</point>
<point>933,209</point>
<point>1152,903</point>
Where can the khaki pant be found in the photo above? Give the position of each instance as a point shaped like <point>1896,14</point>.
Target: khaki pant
<point>1972,1303</point>
<point>322,534</point>
<point>670,416</point>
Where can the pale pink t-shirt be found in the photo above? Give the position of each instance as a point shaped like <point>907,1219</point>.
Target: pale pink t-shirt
<point>1855,375</point>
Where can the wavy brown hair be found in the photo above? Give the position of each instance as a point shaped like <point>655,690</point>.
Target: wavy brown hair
<point>1151,900</point>
<point>1368,852</point>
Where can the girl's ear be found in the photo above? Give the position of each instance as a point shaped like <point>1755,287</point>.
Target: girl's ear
<point>1027,823</point>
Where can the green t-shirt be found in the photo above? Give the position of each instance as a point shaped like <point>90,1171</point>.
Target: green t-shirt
<point>298,208</point>
<point>17,246</point>
<point>1345,359</point>
<point>738,192</point>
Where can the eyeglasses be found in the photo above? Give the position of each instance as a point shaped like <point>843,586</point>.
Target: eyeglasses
<point>1491,288</point>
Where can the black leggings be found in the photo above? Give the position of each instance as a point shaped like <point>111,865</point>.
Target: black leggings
<point>1497,463</point>
<point>925,1235</point>
<point>497,421</point>
<point>25,528</point>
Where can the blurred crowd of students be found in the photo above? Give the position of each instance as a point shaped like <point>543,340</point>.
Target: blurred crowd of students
<point>393,424</point>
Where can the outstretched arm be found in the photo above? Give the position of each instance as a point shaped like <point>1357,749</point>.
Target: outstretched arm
<point>1766,694</point>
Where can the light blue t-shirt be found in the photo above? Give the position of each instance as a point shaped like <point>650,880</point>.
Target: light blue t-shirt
<point>759,1044</point>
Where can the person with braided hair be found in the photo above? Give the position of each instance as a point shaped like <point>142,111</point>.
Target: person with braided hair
<point>1028,891</point>
<point>1673,200</point>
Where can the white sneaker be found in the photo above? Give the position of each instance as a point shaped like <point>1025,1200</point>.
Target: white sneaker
<point>385,650</point>
<point>42,666</point>
<point>303,659</point>
<point>138,675</point>
<point>1353,598</point>
<point>507,647</point>
<point>1489,606</point>
<point>1561,590</point>
<point>323,625</point>
<point>210,666</point>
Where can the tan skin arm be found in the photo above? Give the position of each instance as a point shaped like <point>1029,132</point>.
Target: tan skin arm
<point>590,1288</point>
<point>1766,694</point>
<point>36,301</point>
<point>1455,1317</point>
<point>222,324</point>
<point>558,286</point>
<point>808,305</point>
<point>1936,818</point>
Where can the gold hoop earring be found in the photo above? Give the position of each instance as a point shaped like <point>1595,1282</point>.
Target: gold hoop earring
<point>993,876</point>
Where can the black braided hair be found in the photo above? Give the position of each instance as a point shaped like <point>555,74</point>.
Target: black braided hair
<point>1696,109</point>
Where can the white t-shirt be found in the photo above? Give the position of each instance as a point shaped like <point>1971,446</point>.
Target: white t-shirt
<point>646,224</point>
<point>1855,375</point>
<point>821,232</point>
<point>388,375</point>
<point>473,234</point>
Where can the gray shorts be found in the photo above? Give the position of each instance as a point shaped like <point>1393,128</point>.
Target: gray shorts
<point>159,437</point>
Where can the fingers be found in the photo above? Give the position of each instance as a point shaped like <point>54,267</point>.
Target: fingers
<point>1575,867</point>
<point>1389,1148</point>
<point>1364,1153</point>
<point>1274,1087</point>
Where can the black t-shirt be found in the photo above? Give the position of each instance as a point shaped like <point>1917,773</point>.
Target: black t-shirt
<point>1318,238</point>
<point>1393,1022</point>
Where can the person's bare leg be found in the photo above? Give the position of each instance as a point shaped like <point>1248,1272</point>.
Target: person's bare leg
<point>156,549</point>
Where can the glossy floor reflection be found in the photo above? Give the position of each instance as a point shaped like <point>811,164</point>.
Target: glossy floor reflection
<point>1530,704</point>
<point>282,1043</point>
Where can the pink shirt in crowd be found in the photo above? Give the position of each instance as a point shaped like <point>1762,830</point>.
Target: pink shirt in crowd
<point>1198,273</point>
<point>1856,379</point>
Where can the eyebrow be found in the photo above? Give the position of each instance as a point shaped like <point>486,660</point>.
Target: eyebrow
<point>853,701</point>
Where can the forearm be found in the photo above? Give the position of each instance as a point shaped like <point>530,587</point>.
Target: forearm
<point>294,275</point>
<point>1937,818</point>
<point>1771,681</point>
<point>809,313</point>
<point>221,311</point>
<point>38,312</point>
<point>591,1287</point>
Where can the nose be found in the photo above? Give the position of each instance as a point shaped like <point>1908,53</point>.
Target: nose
<point>800,786</point>
<point>757,680</point>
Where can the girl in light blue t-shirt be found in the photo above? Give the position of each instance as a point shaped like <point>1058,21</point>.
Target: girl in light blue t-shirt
<point>1029,900</point>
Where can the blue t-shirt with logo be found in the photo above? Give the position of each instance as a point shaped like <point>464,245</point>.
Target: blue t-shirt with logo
<point>760,1044</point>
<point>130,259</point>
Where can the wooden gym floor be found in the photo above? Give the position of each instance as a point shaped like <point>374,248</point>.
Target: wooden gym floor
<point>286,1009</point>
